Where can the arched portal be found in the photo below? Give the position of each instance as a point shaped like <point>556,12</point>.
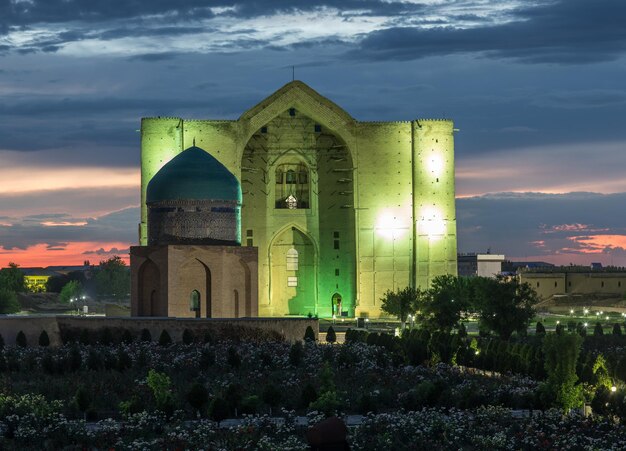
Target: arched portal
<point>337,306</point>
<point>195,276</point>
<point>293,286</point>
<point>194,303</point>
<point>298,171</point>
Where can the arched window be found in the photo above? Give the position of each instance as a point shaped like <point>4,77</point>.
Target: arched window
<point>194,301</point>
<point>292,186</point>
<point>292,260</point>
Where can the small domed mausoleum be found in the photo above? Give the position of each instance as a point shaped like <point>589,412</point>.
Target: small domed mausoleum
<point>194,199</point>
<point>194,265</point>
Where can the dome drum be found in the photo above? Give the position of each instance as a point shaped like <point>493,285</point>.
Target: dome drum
<point>205,222</point>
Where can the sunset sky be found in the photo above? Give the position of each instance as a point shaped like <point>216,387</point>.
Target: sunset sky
<point>536,88</point>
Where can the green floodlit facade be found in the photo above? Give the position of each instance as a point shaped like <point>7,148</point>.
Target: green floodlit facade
<point>341,211</point>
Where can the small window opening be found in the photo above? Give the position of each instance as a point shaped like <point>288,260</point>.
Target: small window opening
<point>318,128</point>
<point>292,281</point>
<point>292,260</point>
<point>336,271</point>
<point>263,129</point>
<point>292,112</point>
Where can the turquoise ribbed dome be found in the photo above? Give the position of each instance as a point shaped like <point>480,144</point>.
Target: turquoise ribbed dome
<point>194,175</point>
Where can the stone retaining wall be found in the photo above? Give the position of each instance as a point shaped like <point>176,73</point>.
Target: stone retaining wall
<point>291,329</point>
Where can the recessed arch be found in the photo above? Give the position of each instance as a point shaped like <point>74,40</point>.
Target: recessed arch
<point>149,289</point>
<point>293,291</point>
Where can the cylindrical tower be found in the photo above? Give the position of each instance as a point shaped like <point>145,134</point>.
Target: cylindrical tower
<point>434,213</point>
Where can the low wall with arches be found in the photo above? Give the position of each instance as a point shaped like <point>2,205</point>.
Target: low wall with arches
<point>60,327</point>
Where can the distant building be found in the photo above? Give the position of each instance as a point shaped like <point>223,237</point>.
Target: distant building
<point>575,280</point>
<point>511,267</point>
<point>482,265</point>
<point>37,278</point>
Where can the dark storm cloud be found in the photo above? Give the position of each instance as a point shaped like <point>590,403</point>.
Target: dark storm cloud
<point>521,224</point>
<point>120,226</point>
<point>564,31</point>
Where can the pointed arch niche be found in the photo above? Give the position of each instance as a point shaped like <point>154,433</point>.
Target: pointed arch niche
<point>195,276</point>
<point>149,287</point>
<point>293,288</point>
<point>297,168</point>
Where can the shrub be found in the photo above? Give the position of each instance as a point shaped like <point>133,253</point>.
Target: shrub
<point>160,384</point>
<point>106,336</point>
<point>462,332</point>
<point>233,358</point>
<point>1,342</point>
<point>8,301</point>
<point>198,396</point>
<point>84,337</point>
<point>218,409</point>
<point>540,329</point>
<point>44,340</point>
<point>296,352</point>
<point>146,335</point>
<point>207,359</point>
<point>20,340</point>
<point>597,330</point>
<point>331,336</point>
<point>188,337</point>
<point>271,396</point>
<point>309,335</point>
<point>308,395</point>
<point>250,404</point>
<point>165,339</point>
<point>82,399</point>
<point>617,330</point>
<point>208,337</point>
<point>127,337</point>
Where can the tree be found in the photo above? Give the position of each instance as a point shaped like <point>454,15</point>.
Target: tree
<point>331,336</point>
<point>83,400</point>
<point>271,396</point>
<point>617,330</point>
<point>164,338</point>
<point>12,279</point>
<point>401,303</point>
<point>198,396</point>
<point>443,305</point>
<point>309,335</point>
<point>44,340</point>
<point>504,305</point>
<point>113,278</point>
<point>160,384</point>
<point>20,339</point>
<point>597,330</point>
<point>540,329</point>
<point>561,354</point>
<point>8,301</point>
<point>71,290</point>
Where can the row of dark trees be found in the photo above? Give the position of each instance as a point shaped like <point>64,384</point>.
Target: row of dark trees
<point>503,305</point>
<point>110,279</point>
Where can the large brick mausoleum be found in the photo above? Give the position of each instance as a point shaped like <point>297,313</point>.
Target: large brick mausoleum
<point>339,210</point>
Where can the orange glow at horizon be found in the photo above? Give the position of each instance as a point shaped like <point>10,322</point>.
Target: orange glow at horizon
<point>47,179</point>
<point>596,244</point>
<point>70,254</point>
